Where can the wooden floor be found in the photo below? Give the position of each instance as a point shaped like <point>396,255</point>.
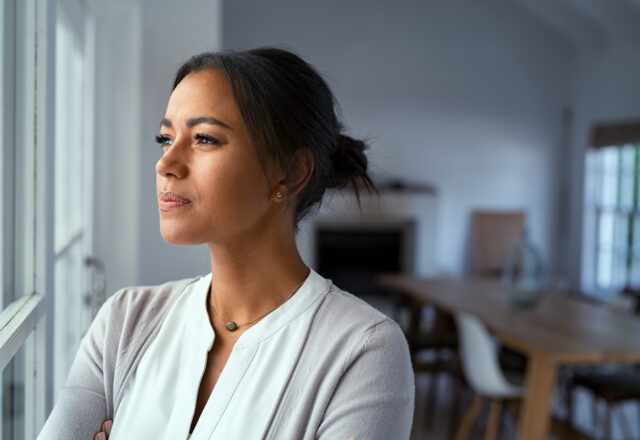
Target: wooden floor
<point>441,417</point>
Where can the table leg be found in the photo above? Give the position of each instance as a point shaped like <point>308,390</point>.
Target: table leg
<point>493,425</point>
<point>536,415</point>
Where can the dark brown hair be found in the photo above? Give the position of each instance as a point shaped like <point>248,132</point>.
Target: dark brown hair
<point>286,105</point>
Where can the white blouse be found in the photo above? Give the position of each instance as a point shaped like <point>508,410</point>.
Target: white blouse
<point>160,398</point>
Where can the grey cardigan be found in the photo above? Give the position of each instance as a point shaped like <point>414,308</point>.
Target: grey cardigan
<point>353,377</point>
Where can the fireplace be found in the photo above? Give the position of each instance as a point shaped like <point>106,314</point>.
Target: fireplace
<point>353,253</point>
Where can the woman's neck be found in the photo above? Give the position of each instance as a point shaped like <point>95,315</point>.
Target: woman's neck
<point>251,279</point>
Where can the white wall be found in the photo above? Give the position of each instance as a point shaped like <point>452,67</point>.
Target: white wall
<point>465,95</point>
<point>117,130</point>
<point>139,46</point>
<point>172,32</point>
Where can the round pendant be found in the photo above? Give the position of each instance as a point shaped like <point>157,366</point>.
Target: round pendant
<point>231,326</point>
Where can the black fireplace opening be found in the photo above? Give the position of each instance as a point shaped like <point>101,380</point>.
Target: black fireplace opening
<point>353,255</point>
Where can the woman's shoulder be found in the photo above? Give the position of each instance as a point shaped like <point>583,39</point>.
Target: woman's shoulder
<point>355,323</point>
<point>352,349</point>
<point>132,313</point>
<point>136,299</point>
<point>345,307</point>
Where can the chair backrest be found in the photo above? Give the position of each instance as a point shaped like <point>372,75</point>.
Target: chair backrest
<point>634,293</point>
<point>479,356</point>
<point>494,235</point>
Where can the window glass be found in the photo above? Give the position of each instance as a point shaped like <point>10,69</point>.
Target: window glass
<point>16,391</point>
<point>17,219</point>
<point>617,172</point>
<point>69,198</point>
<point>7,125</point>
<point>73,301</point>
<point>17,162</point>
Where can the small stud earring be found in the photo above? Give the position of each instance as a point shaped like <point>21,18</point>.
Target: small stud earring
<point>279,195</point>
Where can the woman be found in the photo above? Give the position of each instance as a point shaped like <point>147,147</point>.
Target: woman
<point>263,346</point>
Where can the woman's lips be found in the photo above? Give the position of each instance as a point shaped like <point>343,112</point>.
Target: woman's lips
<point>168,201</point>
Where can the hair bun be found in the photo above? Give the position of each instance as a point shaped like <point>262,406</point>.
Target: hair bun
<point>348,162</point>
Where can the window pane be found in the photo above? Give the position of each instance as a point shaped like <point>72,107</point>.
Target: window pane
<point>16,392</point>
<point>7,125</point>
<point>621,233</point>
<point>612,270</point>
<point>69,131</point>
<point>634,276</point>
<point>609,196</point>
<point>17,183</point>
<point>71,277</point>
<point>606,230</point>
<point>605,269</point>
<point>72,317</point>
<point>616,169</point>
<point>627,177</point>
<point>619,275</point>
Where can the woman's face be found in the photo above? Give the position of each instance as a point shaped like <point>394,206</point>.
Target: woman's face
<point>209,163</point>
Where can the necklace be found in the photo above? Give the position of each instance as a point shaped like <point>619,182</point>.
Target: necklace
<point>232,325</point>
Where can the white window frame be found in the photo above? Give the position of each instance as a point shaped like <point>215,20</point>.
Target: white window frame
<point>27,314</point>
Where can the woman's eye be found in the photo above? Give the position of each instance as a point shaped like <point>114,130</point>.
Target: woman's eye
<point>163,140</point>
<point>206,139</point>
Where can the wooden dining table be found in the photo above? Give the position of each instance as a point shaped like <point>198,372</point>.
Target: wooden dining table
<point>561,330</point>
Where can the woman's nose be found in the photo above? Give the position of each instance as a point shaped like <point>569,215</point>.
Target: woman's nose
<point>172,162</point>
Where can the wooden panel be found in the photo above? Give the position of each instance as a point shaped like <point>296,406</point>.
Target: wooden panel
<point>494,235</point>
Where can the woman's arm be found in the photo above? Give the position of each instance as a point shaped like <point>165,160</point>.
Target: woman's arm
<point>82,405</point>
<point>375,397</point>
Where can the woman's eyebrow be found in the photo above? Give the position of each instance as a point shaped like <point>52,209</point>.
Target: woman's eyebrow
<point>197,121</point>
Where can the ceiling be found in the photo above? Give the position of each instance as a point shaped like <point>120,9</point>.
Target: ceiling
<point>591,25</point>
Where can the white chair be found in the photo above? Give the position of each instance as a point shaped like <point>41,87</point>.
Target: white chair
<point>479,356</point>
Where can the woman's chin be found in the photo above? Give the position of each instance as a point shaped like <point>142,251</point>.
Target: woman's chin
<point>179,237</point>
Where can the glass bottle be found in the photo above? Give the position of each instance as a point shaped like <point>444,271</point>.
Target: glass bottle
<point>523,275</point>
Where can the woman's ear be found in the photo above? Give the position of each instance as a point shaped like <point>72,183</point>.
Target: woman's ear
<point>299,171</point>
